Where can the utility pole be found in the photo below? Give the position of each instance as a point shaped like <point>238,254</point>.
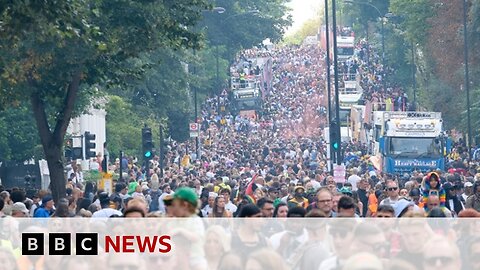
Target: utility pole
<point>467,80</point>
<point>120,179</point>
<point>161,152</point>
<point>194,71</point>
<point>329,88</point>
<point>414,80</point>
<point>337,101</point>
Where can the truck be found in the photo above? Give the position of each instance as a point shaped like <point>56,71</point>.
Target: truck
<point>345,43</point>
<point>410,141</point>
<point>350,93</point>
<point>246,94</point>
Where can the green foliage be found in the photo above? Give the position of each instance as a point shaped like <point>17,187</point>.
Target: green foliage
<point>415,14</point>
<point>309,28</point>
<point>178,125</point>
<point>20,134</point>
<point>240,27</point>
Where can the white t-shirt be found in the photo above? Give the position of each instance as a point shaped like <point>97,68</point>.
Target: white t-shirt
<point>106,213</point>
<point>353,179</point>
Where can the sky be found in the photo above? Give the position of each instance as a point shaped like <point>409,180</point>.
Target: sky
<point>302,11</point>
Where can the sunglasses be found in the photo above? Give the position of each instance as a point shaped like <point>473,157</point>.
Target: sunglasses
<point>392,188</point>
<point>442,259</point>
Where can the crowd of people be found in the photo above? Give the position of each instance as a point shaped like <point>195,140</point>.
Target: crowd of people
<point>274,166</point>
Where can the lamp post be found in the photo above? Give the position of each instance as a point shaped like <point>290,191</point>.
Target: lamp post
<point>467,80</point>
<point>218,10</point>
<point>338,138</point>
<point>329,88</point>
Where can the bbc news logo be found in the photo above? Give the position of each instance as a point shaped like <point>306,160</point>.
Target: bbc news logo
<point>87,244</point>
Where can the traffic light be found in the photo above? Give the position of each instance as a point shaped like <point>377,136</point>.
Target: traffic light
<point>334,136</point>
<point>147,143</point>
<point>89,145</point>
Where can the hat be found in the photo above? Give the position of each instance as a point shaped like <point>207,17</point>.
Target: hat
<point>167,200</point>
<point>46,199</point>
<point>131,187</point>
<point>468,184</point>
<point>345,190</point>
<point>299,187</point>
<point>20,207</point>
<point>401,205</point>
<point>186,194</point>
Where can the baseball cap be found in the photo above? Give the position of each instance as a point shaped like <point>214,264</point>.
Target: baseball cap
<point>20,207</point>
<point>468,184</point>
<point>186,194</point>
<point>46,199</point>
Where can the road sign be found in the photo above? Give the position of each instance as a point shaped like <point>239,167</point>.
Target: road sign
<point>339,173</point>
<point>194,127</point>
<point>106,183</point>
<point>194,130</point>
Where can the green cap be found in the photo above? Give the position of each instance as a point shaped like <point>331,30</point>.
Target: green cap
<point>131,187</point>
<point>186,194</point>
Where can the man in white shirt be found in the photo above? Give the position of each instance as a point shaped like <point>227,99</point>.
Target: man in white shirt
<point>166,190</point>
<point>232,208</point>
<point>354,179</point>
<point>106,211</point>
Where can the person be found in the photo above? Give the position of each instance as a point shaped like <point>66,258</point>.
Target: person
<point>432,186</point>
<point>369,238</point>
<point>298,198</point>
<point>166,191</point>
<point>354,179</point>
<point>414,233</point>
<point>316,249</point>
<point>219,209</point>
<point>281,210</point>
<point>433,201</point>
<point>346,207</point>
<point>468,190</point>
<point>363,195</point>
<point>266,206</point>
<point>324,202</point>
<point>228,203</point>
<point>473,201</point>
<point>8,259</point>
<point>452,202</point>
<point>439,252</point>
<point>134,212</point>
<point>392,192</point>
<point>106,211</point>
<point>19,210</point>
<point>185,205</point>
<point>217,243</point>
<point>385,211</point>
<point>46,209</point>
<point>341,232</point>
<point>208,209</point>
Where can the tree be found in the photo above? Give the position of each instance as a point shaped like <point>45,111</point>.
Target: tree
<point>309,28</point>
<point>53,51</point>
<point>20,134</point>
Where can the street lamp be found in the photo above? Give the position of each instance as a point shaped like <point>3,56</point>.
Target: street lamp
<point>218,10</point>
<point>382,17</point>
